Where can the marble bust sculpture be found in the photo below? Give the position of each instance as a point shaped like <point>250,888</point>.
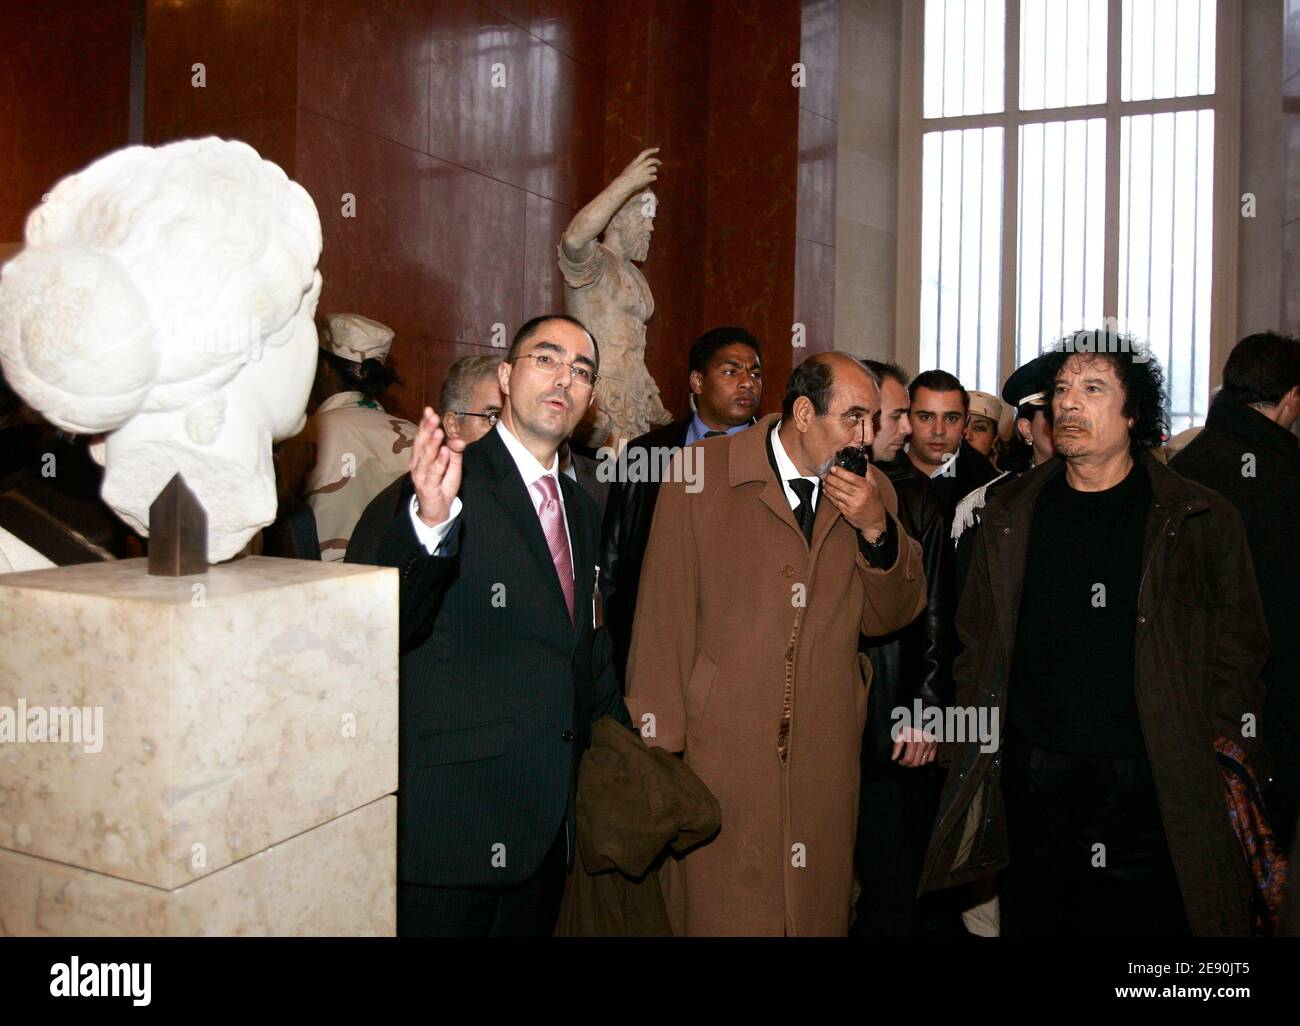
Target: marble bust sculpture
<point>165,300</point>
<point>605,290</point>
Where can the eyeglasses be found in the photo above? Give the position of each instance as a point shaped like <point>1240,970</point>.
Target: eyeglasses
<point>491,418</point>
<point>548,364</point>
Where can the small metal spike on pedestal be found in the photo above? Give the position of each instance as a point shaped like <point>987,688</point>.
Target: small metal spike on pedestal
<point>178,532</point>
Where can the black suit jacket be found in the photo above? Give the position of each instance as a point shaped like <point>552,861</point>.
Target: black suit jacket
<point>916,661</point>
<point>973,470</point>
<point>628,515</point>
<point>498,687</point>
<point>1266,492</point>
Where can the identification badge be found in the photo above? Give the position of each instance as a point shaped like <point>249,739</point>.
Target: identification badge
<point>597,607</point>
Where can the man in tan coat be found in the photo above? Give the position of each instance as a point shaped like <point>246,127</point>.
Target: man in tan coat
<point>745,652</point>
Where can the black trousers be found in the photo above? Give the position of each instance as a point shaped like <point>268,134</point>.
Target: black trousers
<point>1088,850</point>
<point>1283,798</point>
<point>527,910</point>
<point>896,811</point>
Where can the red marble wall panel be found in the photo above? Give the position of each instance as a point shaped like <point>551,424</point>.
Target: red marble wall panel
<point>752,170</point>
<point>544,223</point>
<point>408,358</point>
<point>434,250</point>
<point>574,27</point>
<point>462,187</point>
<point>369,64</point>
<point>65,71</point>
<point>462,223</point>
<point>273,133</point>
<point>474,122</point>
<point>248,51</point>
<point>514,10</point>
<point>657,94</point>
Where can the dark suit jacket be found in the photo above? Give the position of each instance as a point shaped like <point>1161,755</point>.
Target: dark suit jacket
<point>498,688</point>
<point>916,661</point>
<point>628,515</point>
<point>973,469</point>
<point>588,470</point>
<point>1266,492</point>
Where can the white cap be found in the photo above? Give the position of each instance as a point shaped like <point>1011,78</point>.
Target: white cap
<point>356,338</point>
<point>990,406</point>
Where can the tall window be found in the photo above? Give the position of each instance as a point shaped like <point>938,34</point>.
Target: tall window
<point>1060,168</point>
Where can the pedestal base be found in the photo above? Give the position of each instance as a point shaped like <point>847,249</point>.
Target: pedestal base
<point>337,879</point>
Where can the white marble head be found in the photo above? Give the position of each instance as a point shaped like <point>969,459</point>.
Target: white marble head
<point>166,296</point>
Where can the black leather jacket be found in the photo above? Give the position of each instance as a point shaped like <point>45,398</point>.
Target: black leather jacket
<point>625,534</point>
<point>915,662</point>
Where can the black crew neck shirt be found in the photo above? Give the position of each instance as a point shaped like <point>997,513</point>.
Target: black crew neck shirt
<point>1072,670</point>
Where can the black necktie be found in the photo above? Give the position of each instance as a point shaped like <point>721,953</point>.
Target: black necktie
<point>804,512</point>
<point>713,434</point>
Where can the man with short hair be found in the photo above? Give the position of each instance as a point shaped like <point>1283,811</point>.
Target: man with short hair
<point>470,400</point>
<point>503,669</point>
<point>1111,624</point>
<point>745,658</point>
<point>726,383</point>
<point>938,449</point>
<point>1249,454</point>
<point>900,781</point>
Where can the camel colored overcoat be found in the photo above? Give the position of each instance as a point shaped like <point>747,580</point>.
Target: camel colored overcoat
<point>745,659</point>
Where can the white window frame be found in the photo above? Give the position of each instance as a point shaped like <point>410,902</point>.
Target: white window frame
<point>1226,200</point>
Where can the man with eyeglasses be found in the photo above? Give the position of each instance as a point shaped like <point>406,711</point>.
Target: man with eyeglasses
<point>503,669</point>
<point>745,659</point>
<point>470,400</point>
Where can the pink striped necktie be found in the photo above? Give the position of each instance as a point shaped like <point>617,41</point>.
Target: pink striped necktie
<point>551,514</point>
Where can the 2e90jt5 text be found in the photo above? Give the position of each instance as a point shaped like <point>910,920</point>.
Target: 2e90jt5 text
<point>1189,968</point>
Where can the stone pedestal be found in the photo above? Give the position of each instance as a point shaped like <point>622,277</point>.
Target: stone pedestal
<point>201,754</point>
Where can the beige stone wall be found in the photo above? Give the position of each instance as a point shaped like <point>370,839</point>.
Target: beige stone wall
<point>866,209</point>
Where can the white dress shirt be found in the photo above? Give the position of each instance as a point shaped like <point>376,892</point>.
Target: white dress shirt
<point>786,468</point>
<point>530,469</point>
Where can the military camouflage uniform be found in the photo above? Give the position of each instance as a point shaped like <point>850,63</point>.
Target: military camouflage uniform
<point>359,450</point>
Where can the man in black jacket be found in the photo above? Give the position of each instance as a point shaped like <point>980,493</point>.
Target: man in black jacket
<point>503,669</point>
<point>726,379</point>
<point>1249,455</point>
<point>938,449</point>
<point>901,782</point>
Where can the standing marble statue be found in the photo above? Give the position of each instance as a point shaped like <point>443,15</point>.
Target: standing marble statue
<point>165,297</point>
<point>606,291</point>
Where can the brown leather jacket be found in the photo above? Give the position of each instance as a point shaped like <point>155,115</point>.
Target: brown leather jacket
<point>1201,646</point>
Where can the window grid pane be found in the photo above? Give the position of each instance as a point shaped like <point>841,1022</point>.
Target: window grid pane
<point>1167,49</point>
<point>961,270</point>
<point>1060,253</point>
<point>964,56</point>
<point>1062,53</point>
<point>1166,221</point>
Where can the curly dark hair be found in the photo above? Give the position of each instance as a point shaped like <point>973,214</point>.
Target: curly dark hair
<point>1145,399</point>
